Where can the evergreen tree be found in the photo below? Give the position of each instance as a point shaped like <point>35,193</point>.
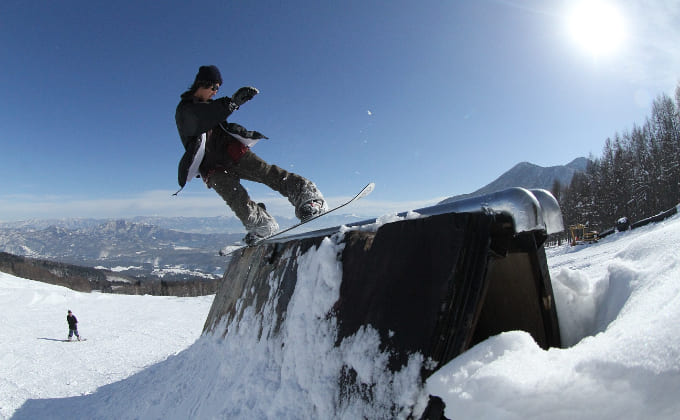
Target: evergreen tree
<point>638,174</point>
<point>665,132</point>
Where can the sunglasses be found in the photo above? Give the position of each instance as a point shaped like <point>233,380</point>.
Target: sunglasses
<point>212,86</point>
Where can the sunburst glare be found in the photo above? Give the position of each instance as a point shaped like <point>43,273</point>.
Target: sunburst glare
<point>598,27</point>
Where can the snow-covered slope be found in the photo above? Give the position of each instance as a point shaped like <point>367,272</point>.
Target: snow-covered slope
<point>618,303</point>
<point>126,334</point>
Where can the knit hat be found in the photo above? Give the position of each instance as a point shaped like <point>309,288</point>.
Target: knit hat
<point>209,74</point>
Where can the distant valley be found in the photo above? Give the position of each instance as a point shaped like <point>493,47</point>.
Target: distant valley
<point>122,246</point>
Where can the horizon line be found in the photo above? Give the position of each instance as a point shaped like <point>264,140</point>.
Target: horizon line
<point>160,203</point>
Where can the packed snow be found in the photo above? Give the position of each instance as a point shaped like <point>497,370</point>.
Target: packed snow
<point>125,334</point>
<point>618,304</point>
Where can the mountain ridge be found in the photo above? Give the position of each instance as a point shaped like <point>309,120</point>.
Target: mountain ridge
<point>530,176</point>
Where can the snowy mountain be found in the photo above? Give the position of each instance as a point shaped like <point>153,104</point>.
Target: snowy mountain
<point>122,246</point>
<point>203,225</point>
<point>528,175</point>
<point>145,247</point>
<point>618,303</point>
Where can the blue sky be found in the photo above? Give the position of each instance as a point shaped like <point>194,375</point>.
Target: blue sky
<point>429,99</point>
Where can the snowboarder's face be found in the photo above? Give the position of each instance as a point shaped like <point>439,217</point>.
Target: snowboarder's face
<point>205,93</point>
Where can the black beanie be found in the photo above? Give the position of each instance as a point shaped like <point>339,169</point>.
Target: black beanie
<point>209,74</point>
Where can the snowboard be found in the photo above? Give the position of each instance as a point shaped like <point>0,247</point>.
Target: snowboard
<point>363,193</point>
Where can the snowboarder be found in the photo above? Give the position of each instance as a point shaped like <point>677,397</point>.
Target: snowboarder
<point>217,152</point>
<point>72,325</point>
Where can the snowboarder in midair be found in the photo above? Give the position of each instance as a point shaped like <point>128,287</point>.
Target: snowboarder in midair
<point>72,325</point>
<point>216,151</point>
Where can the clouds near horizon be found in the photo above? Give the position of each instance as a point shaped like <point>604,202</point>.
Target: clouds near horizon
<point>163,203</point>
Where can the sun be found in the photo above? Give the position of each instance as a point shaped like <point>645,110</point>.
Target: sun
<point>597,26</point>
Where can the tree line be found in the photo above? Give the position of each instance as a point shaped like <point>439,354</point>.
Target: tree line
<point>637,176</point>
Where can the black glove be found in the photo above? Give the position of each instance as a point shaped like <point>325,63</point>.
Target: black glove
<point>243,95</point>
<point>258,135</point>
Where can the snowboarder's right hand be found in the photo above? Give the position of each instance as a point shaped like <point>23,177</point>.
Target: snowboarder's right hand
<point>258,135</point>
<point>243,95</point>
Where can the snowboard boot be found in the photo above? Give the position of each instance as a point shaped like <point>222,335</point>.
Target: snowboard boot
<point>311,209</point>
<point>263,226</point>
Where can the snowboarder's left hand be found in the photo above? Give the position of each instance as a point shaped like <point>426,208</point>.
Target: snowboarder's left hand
<point>243,95</point>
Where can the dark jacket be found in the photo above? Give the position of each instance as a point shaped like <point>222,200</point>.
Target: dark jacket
<point>195,117</point>
<point>72,322</point>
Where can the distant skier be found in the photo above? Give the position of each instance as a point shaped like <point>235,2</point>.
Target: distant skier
<point>217,151</point>
<point>72,325</point>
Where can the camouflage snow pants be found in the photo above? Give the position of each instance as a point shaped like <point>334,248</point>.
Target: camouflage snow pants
<point>227,183</point>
